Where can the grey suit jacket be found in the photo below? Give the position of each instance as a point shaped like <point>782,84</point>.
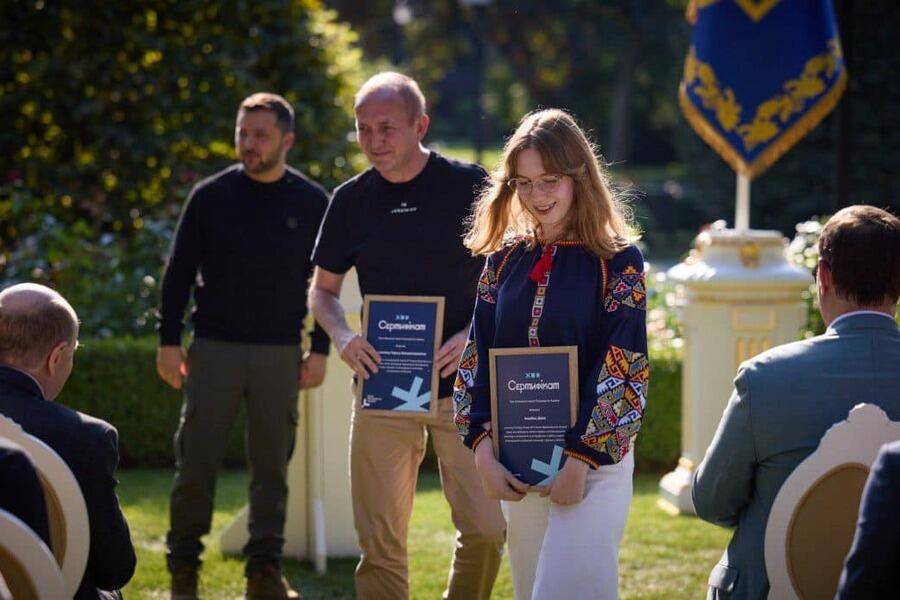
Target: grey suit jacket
<point>783,403</point>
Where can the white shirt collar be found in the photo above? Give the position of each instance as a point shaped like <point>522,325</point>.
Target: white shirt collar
<point>860,312</point>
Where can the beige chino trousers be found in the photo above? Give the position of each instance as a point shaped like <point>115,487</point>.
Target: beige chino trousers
<point>385,454</point>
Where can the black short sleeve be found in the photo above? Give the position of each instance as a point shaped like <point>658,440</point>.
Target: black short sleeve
<point>332,251</point>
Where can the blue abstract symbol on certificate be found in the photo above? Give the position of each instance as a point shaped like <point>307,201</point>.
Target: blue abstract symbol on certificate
<point>550,469</point>
<point>412,399</point>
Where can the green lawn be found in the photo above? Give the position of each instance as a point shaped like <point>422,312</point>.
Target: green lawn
<point>662,556</point>
<point>489,157</point>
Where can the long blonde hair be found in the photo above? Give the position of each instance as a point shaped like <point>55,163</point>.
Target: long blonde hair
<point>599,217</point>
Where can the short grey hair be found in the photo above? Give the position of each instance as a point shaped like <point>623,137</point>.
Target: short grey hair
<point>33,320</point>
<point>402,85</point>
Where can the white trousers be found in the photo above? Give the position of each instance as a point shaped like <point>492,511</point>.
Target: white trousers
<point>561,552</point>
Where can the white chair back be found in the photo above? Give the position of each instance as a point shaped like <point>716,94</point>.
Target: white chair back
<point>70,537</point>
<point>5,594</point>
<point>813,518</point>
<point>28,568</point>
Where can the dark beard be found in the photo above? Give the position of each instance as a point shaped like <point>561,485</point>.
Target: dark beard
<point>262,166</point>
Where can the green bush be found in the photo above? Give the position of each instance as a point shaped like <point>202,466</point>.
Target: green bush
<point>803,252</point>
<point>116,109</point>
<point>659,442</point>
<point>115,379</point>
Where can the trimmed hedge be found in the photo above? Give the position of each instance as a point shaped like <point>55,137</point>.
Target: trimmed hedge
<point>115,380</point>
<point>659,442</point>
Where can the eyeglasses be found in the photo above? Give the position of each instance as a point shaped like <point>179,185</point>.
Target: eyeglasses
<point>545,183</point>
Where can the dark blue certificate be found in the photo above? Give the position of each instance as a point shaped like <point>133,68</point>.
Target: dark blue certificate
<point>534,400</point>
<point>406,333</point>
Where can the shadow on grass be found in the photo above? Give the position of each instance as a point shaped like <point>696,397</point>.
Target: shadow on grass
<point>144,496</point>
<point>661,556</point>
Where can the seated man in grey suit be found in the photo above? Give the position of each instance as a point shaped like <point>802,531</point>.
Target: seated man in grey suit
<point>38,337</point>
<point>786,398</point>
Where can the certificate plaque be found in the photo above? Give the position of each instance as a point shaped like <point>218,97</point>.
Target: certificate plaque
<point>534,400</point>
<point>406,333</point>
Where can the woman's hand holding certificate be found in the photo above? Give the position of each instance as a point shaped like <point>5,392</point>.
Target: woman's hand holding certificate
<point>498,482</point>
<point>568,487</point>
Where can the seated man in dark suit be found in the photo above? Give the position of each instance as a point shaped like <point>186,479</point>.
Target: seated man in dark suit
<point>38,336</point>
<point>786,398</point>
<point>21,493</point>
<point>871,568</point>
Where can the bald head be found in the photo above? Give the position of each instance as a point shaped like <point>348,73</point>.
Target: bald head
<point>34,319</point>
<point>393,87</point>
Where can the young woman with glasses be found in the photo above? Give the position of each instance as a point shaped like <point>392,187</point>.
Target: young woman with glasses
<point>561,270</point>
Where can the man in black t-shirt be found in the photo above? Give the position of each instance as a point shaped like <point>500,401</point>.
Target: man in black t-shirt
<point>400,224</point>
<point>249,231</point>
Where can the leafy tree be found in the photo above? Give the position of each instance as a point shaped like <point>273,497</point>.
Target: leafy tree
<point>615,64</point>
<point>801,184</point>
<point>115,109</point>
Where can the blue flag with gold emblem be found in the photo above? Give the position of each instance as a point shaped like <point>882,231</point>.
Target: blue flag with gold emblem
<point>759,75</point>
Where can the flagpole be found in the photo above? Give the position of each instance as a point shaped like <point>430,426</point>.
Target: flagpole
<point>742,203</point>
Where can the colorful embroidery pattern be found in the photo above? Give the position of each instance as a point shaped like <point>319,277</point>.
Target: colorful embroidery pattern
<point>605,271</point>
<point>465,378</point>
<point>487,284</point>
<point>537,307</point>
<point>628,289</point>
<point>621,397</point>
<point>480,437</point>
<point>462,408</point>
<point>582,457</point>
<point>509,251</point>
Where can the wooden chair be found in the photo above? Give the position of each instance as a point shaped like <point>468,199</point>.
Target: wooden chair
<point>813,518</point>
<point>70,538</point>
<point>28,568</point>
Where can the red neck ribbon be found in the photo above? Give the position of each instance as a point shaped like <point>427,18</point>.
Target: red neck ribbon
<point>543,265</point>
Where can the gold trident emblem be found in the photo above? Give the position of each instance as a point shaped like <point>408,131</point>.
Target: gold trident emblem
<point>750,255</point>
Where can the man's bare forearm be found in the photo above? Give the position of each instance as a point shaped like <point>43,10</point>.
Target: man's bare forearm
<point>327,309</point>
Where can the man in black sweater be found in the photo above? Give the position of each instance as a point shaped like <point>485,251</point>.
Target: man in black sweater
<point>249,231</point>
<point>38,337</point>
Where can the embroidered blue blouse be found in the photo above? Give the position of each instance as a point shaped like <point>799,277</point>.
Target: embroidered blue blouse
<point>596,304</point>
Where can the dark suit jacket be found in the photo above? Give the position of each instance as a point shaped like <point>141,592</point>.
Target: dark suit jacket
<point>784,401</point>
<point>21,492</point>
<point>872,568</point>
<point>89,447</point>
